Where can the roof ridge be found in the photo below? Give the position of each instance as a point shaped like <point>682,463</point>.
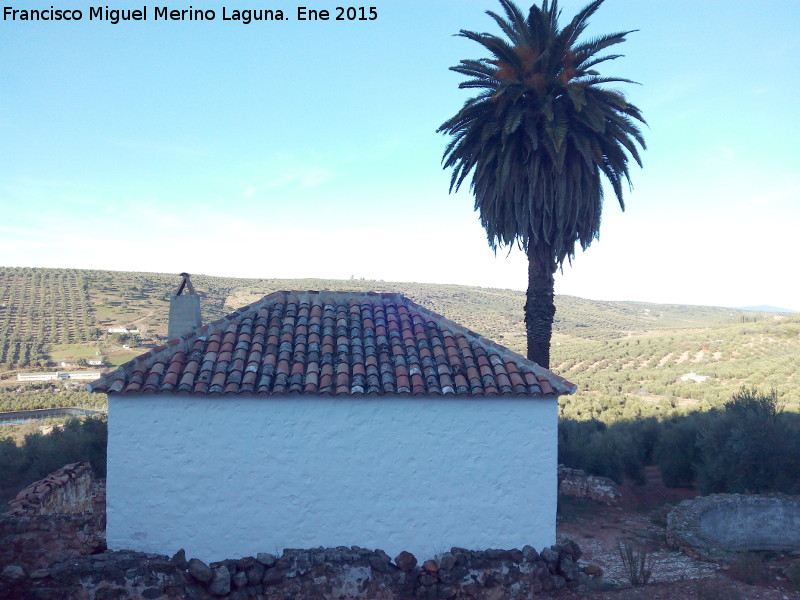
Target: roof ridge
<point>216,350</point>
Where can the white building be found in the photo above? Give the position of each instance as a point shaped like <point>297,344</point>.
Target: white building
<point>693,377</point>
<point>55,375</point>
<point>325,419</point>
<point>37,376</point>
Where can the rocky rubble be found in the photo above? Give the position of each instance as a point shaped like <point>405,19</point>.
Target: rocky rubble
<point>577,484</point>
<point>330,573</point>
<point>68,490</point>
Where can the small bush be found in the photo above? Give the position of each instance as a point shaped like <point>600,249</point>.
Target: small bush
<point>637,561</point>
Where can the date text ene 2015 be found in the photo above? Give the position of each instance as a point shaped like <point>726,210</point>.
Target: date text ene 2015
<point>341,13</point>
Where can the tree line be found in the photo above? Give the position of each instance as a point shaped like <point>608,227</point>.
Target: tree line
<point>748,445</point>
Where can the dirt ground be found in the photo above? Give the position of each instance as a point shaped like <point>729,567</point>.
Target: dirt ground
<point>641,519</point>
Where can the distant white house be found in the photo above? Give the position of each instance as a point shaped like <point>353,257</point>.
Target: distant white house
<point>36,376</point>
<point>59,375</point>
<point>82,375</point>
<point>693,377</point>
<point>122,330</point>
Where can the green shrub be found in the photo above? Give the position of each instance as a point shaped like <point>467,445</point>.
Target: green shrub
<point>615,451</point>
<point>751,446</point>
<point>676,453</point>
<point>80,440</point>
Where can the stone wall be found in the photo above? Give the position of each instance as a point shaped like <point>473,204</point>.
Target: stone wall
<point>39,540</point>
<point>577,484</point>
<point>331,573</point>
<point>39,529</point>
<point>67,491</point>
<point>715,527</point>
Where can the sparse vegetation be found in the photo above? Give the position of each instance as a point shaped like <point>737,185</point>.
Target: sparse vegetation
<point>32,396</point>
<point>637,560</point>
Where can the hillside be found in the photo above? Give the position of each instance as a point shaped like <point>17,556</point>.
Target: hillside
<point>626,357</point>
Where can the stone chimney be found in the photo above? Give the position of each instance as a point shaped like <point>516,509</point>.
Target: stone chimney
<point>184,310</point>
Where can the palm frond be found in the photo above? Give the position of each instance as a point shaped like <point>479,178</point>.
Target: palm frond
<point>543,131</point>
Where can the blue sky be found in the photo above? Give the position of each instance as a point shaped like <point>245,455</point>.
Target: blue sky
<point>308,149</point>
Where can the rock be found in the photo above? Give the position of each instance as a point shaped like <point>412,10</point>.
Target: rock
<point>100,558</point>
<point>405,561</point>
<point>495,554</point>
<point>255,574</point>
<point>221,584</point>
<point>430,566</point>
<point>471,589</point>
<point>302,564</point>
<point>380,564</point>
<point>447,561</point>
<point>107,592</point>
<point>569,546</point>
<point>200,571</point>
<point>497,593</point>
<point>180,559</point>
<point>272,576</point>
<point>446,592</point>
<point>240,579</point>
<point>152,593</point>
<point>600,584</point>
<point>40,573</point>
<point>512,577</point>
<point>550,557</point>
<point>426,579</point>
<point>13,573</point>
<point>268,560</point>
<point>568,568</point>
<point>516,555</point>
<point>529,553</point>
<point>592,570</point>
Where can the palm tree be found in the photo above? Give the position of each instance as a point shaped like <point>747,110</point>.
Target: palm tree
<point>537,139</point>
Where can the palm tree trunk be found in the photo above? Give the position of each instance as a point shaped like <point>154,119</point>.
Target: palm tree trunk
<point>540,308</point>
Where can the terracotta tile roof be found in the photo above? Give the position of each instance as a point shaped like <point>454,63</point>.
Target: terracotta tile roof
<point>336,343</point>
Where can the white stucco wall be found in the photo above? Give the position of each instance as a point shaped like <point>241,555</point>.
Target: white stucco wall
<point>233,476</point>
